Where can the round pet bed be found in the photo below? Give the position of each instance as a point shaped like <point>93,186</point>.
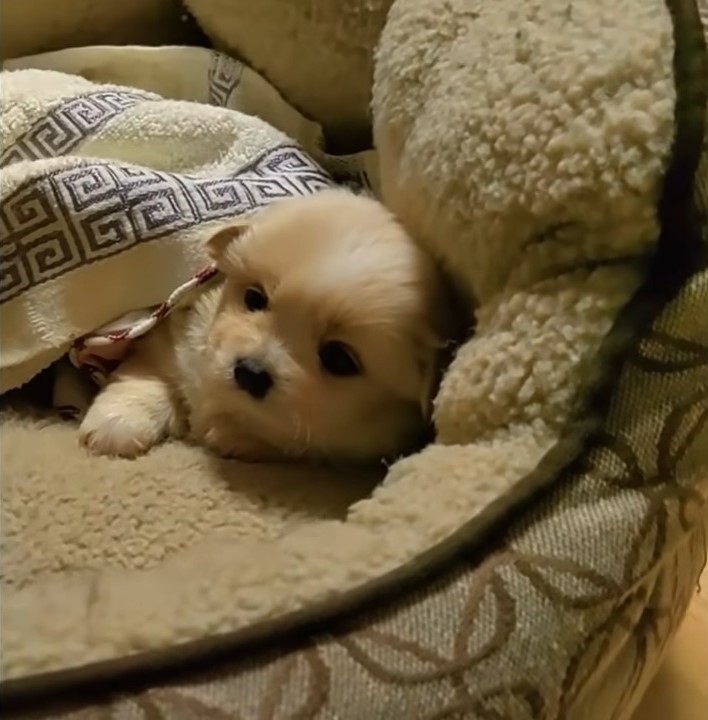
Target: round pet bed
<point>533,561</point>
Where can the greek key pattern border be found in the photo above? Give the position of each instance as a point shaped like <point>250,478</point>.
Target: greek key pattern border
<point>224,76</point>
<point>62,129</point>
<point>76,216</point>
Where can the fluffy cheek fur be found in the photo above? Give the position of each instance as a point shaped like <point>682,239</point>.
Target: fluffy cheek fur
<point>328,268</point>
<point>224,417</point>
<point>306,412</point>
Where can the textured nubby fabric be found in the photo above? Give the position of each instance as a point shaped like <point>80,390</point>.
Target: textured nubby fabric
<point>535,182</point>
<point>319,53</point>
<point>567,608</point>
<point>43,25</point>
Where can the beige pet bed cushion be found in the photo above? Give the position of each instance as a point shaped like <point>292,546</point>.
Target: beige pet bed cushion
<point>582,591</point>
<point>44,25</point>
<point>319,53</point>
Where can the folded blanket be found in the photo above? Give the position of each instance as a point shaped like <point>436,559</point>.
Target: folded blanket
<point>105,185</point>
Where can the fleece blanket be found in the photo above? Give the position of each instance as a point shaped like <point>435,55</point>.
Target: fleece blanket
<point>178,547</point>
<point>102,186</point>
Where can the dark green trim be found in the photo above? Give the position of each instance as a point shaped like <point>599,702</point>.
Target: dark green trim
<point>678,215</point>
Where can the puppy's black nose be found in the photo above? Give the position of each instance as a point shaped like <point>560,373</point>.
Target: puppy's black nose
<point>252,377</point>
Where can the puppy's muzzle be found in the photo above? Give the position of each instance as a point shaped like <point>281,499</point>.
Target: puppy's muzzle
<point>251,376</point>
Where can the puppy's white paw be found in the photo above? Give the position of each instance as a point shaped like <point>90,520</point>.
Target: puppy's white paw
<point>119,430</point>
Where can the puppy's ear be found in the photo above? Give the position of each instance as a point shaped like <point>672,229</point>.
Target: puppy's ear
<point>429,388</point>
<point>441,346</point>
<point>217,244</point>
<point>434,369</point>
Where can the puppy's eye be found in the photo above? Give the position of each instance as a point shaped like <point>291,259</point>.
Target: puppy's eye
<point>338,359</point>
<point>255,299</point>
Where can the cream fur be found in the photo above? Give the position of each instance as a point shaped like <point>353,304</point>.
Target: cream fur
<point>332,267</point>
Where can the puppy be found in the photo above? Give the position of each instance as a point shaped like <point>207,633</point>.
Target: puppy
<point>322,340</point>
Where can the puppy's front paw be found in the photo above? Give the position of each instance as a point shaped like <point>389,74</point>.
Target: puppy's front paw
<point>120,431</point>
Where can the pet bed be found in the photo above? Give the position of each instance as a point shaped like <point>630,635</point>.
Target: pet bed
<point>556,176</point>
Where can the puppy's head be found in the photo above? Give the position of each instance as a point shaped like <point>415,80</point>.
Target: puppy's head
<point>328,332</point>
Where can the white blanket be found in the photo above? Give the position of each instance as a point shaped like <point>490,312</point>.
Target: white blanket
<point>117,164</point>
